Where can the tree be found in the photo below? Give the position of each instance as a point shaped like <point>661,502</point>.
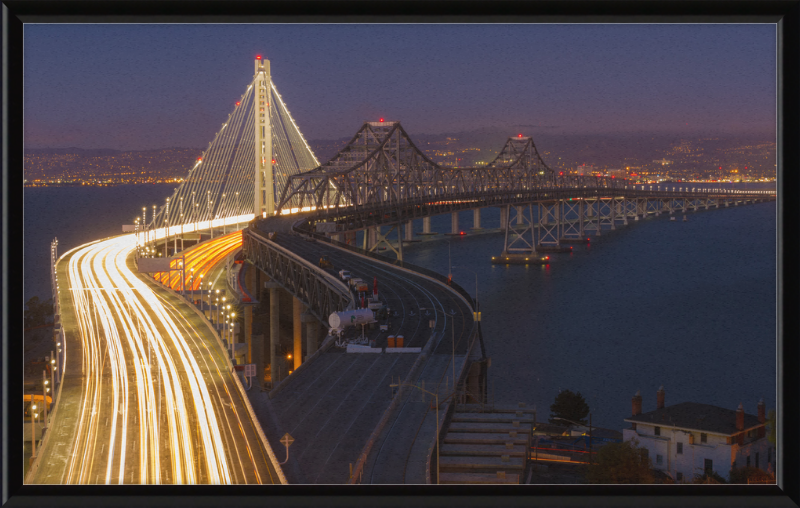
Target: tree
<point>771,426</point>
<point>709,477</point>
<point>36,312</point>
<point>570,406</point>
<point>623,462</point>
<point>743,474</point>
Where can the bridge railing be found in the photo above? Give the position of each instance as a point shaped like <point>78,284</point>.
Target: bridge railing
<point>302,228</point>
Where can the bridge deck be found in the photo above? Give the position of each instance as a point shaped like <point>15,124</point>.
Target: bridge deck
<point>332,406</point>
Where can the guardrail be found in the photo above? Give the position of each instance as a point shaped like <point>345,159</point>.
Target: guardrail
<point>395,262</point>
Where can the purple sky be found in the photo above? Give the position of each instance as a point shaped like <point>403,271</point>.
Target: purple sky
<point>155,86</point>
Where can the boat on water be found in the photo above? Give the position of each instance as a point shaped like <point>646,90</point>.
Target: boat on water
<point>672,218</point>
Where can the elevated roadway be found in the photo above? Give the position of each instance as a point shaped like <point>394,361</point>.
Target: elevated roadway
<point>147,397</point>
<point>337,407</point>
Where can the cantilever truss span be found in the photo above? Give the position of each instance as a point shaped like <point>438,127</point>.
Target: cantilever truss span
<point>382,168</point>
<point>221,183</point>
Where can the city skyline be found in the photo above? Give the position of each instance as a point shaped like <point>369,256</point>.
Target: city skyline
<point>138,87</point>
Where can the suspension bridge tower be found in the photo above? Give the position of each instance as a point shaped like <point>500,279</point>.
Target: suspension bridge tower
<point>264,204</point>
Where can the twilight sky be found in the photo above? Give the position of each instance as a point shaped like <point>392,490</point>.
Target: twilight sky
<point>133,87</point>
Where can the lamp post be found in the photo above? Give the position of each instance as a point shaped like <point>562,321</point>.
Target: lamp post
<point>580,424</point>
<point>233,330</point>
<point>33,429</point>
<point>395,385</point>
<point>235,206</point>
<point>181,207</point>
<point>45,389</point>
<point>153,222</point>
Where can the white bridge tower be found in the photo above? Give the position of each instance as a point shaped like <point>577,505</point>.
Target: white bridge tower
<point>264,205</point>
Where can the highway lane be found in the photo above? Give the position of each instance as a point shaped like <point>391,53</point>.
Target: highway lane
<point>353,390</point>
<point>157,403</point>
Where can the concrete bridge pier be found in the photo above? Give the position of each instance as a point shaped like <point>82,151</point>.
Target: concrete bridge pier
<point>371,237</point>
<point>453,224</point>
<point>521,215</point>
<point>250,283</point>
<point>312,333</point>
<point>274,329</point>
<point>409,231</point>
<point>476,219</point>
<point>297,332</point>
<point>426,226</point>
<point>504,213</point>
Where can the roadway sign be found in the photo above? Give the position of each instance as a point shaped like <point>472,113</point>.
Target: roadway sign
<point>250,370</point>
<point>287,440</point>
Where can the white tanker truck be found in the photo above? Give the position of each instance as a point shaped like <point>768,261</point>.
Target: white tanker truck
<point>340,320</point>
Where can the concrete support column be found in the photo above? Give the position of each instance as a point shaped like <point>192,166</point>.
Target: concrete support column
<point>373,236</point>
<point>251,284</point>
<point>248,331</point>
<point>274,332</point>
<point>426,225</point>
<point>297,329</point>
<point>454,223</point>
<point>520,215</point>
<point>312,334</point>
<point>409,230</point>
<point>504,213</point>
<point>476,218</point>
<point>258,359</point>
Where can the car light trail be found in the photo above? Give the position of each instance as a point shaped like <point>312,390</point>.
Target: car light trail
<point>147,412</point>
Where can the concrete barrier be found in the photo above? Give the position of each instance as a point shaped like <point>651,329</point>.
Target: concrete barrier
<point>355,348</point>
<point>403,349</point>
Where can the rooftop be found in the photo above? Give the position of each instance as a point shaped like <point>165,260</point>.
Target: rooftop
<point>702,417</point>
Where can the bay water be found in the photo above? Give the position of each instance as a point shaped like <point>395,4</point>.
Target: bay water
<point>687,305</point>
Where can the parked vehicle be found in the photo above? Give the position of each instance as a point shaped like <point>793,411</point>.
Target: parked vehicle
<point>325,263</point>
<point>344,274</point>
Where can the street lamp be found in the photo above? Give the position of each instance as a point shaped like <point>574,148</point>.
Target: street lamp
<point>581,425</point>
<point>233,324</point>
<point>395,385</point>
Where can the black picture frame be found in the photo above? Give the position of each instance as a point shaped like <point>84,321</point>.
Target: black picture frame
<point>786,14</point>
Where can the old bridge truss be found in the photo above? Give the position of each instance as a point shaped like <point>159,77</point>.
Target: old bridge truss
<point>381,178</point>
<point>320,292</point>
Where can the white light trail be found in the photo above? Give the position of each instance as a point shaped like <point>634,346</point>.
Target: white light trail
<point>140,369</point>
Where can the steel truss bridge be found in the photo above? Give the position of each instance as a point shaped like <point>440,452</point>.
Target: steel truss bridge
<point>381,178</point>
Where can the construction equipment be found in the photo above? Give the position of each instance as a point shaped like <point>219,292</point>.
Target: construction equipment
<point>325,263</point>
